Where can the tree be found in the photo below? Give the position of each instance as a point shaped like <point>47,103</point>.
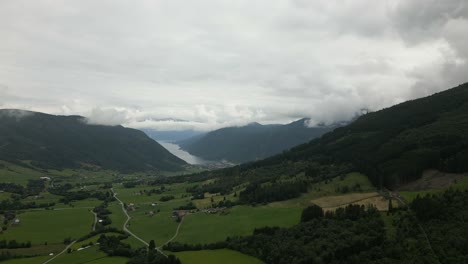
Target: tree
<point>390,207</point>
<point>312,212</point>
<point>151,251</point>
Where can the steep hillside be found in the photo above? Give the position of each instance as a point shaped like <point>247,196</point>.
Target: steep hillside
<point>391,146</point>
<point>251,142</point>
<point>50,141</point>
<point>396,144</point>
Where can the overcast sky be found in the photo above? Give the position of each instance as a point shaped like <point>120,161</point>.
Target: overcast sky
<point>209,64</point>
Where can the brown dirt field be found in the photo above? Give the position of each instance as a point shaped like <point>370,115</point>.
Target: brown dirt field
<point>380,202</point>
<point>342,200</point>
<point>432,179</point>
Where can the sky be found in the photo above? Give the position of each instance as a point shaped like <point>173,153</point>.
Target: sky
<point>206,64</point>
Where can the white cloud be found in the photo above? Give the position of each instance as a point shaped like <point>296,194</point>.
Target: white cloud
<point>215,63</point>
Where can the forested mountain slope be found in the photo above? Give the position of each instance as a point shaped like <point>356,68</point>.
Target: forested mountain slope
<point>50,141</point>
<point>251,142</point>
<point>391,146</point>
<point>396,144</point>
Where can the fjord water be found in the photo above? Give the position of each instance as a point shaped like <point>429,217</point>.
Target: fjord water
<point>177,151</point>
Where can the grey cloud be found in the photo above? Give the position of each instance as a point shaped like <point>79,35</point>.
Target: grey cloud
<point>109,117</point>
<point>421,21</point>
<point>228,63</point>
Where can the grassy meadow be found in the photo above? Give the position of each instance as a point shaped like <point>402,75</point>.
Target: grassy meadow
<point>51,226</point>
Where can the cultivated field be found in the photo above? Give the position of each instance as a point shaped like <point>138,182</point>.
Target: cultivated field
<point>51,226</point>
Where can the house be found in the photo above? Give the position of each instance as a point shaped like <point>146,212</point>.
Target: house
<point>45,178</point>
<point>131,207</point>
<point>214,210</point>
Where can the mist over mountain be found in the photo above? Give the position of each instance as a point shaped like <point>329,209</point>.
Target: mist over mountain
<point>170,136</point>
<point>50,141</point>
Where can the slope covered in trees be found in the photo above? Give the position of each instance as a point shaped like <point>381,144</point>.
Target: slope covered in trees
<point>391,146</point>
<point>251,142</point>
<point>50,141</point>
<point>396,144</point>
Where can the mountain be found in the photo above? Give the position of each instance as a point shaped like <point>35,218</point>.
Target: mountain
<point>251,142</point>
<point>50,141</point>
<point>170,136</point>
<point>393,145</point>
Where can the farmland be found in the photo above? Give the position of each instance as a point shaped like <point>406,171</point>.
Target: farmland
<point>152,216</point>
<point>51,226</point>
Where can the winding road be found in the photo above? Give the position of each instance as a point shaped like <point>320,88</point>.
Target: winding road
<point>126,222</point>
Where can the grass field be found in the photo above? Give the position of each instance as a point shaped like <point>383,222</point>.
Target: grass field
<point>325,189</point>
<point>207,228</point>
<point>215,257</point>
<point>34,260</point>
<point>37,250</point>
<point>89,255</point>
<point>241,220</point>
<point>51,226</point>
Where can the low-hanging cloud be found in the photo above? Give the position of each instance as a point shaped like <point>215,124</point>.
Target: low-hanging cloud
<point>150,63</point>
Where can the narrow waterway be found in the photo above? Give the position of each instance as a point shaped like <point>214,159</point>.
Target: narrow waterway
<point>177,151</point>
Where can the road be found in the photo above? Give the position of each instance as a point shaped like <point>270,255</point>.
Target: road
<point>95,220</point>
<point>49,260</point>
<point>126,222</point>
<point>176,233</point>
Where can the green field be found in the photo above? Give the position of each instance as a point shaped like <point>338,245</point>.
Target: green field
<point>51,226</point>
<point>89,255</point>
<point>240,220</point>
<point>34,260</point>
<point>216,256</point>
<point>206,228</point>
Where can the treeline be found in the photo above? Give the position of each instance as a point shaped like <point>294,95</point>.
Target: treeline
<point>357,234</point>
<point>102,213</point>
<point>69,196</point>
<point>266,193</point>
<point>14,205</point>
<point>33,187</point>
<point>354,234</point>
<point>12,244</point>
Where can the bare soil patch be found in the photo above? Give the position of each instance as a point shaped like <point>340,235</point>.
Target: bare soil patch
<point>433,179</point>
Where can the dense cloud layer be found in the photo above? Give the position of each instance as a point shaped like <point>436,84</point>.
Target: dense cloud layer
<point>211,63</point>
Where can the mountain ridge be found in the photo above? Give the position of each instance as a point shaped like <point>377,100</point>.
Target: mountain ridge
<point>55,141</point>
<point>253,141</point>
